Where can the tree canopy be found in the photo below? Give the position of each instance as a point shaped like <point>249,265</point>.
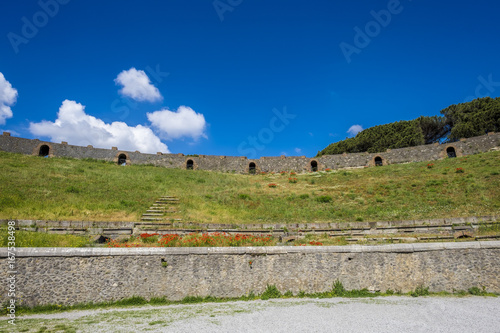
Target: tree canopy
<point>464,120</point>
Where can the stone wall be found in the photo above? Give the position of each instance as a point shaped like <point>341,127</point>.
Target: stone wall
<point>76,275</point>
<point>264,164</point>
<point>443,226</point>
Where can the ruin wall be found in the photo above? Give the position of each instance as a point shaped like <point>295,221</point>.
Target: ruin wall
<point>83,275</point>
<point>240,164</point>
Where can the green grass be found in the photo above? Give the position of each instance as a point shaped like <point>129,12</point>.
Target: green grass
<point>36,239</point>
<point>71,189</point>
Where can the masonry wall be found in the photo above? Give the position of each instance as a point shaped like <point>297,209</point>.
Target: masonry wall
<point>268,164</point>
<point>75,275</point>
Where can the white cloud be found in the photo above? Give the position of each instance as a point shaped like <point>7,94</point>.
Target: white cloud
<point>8,97</point>
<point>354,129</point>
<point>184,122</point>
<point>298,150</point>
<point>78,128</point>
<point>136,85</point>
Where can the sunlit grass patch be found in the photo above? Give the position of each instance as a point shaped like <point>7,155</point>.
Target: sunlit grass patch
<point>70,189</point>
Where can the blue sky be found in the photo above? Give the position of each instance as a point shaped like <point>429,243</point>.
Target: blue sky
<point>237,77</point>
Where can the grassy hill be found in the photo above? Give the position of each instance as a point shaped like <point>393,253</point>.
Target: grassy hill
<point>71,189</point>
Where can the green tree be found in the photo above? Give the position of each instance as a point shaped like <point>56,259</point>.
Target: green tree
<point>465,120</point>
<point>474,118</point>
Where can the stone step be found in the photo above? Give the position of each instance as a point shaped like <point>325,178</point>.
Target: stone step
<point>435,238</point>
<point>169,208</point>
<point>151,214</point>
<point>168,199</point>
<point>151,219</point>
<point>165,218</point>
<point>166,202</point>
<point>487,237</point>
<point>161,211</point>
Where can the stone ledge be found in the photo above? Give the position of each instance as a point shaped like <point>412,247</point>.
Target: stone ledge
<point>145,251</point>
<point>270,228</point>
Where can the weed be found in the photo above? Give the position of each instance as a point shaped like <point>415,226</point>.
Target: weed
<point>324,198</point>
<point>159,301</point>
<point>420,291</point>
<point>243,196</point>
<point>338,289</point>
<point>271,292</point>
<point>192,299</point>
<point>73,189</point>
<point>477,291</point>
<point>150,239</point>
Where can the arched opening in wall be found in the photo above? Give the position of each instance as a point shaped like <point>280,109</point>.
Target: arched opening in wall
<point>44,151</point>
<point>314,166</point>
<point>450,151</point>
<point>189,165</point>
<point>378,161</point>
<point>122,159</point>
<point>252,168</point>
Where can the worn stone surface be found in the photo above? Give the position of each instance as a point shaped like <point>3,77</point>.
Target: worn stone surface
<point>240,164</point>
<point>459,226</point>
<point>69,275</point>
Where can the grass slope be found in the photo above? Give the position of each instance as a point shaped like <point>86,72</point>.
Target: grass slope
<point>70,189</point>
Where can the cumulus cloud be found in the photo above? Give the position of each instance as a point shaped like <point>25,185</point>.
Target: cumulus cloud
<point>354,129</point>
<point>136,85</point>
<point>76,127</point>
<point>184,122</point>
<point>298,150</point>
<point>8,97</point>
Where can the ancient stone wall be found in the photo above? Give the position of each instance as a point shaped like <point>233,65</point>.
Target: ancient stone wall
<point>78,275</point>
<point>443,226</point>
<point>264,164</point>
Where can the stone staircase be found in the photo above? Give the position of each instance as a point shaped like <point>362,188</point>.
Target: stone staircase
<point>164,209</point>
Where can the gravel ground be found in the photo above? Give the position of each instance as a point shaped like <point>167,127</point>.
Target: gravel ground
<point>382,314</point>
